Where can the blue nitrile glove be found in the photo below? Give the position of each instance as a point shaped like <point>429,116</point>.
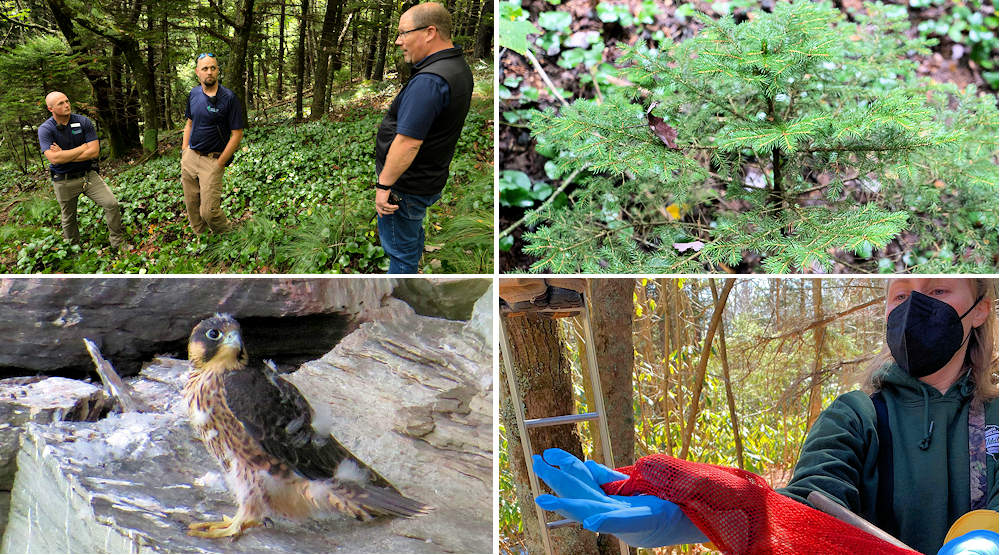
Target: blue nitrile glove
<point>976,542</point>
<point>639,520</point>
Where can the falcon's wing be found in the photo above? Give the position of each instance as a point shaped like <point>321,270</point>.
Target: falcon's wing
<point>276,414</point>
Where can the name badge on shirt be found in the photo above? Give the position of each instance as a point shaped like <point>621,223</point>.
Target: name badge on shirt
<point>991,434</point>
<point>75,128</point>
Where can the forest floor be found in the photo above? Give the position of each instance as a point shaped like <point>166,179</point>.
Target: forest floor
<point>950,61</point>
<point>299,196</point>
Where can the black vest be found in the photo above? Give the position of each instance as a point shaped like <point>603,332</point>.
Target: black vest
<point>429,171</point>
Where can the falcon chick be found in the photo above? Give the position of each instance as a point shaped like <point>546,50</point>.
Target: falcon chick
<point>260,428</point>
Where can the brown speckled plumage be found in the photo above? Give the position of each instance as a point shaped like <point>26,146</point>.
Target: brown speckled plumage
<point>259,427</point>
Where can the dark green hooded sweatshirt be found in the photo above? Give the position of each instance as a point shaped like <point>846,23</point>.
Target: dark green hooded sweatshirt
<point>930,486</point>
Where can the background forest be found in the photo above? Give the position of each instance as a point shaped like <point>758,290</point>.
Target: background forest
<point>315,78</point>
<point>722,371</point>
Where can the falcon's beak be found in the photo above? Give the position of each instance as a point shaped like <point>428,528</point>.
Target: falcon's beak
<point>233,339</point>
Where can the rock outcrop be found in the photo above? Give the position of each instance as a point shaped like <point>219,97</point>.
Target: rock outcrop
<point>43,320</point>
<point>410,395</point>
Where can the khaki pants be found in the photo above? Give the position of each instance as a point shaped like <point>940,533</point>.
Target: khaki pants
<point>68,192</point>
<point>201,178</point>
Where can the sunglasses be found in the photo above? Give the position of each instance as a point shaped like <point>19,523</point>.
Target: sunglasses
<point>206,55</point>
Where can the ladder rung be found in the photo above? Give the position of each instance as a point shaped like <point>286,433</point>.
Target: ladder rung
<point>560,523</point>
<point>557,420</point>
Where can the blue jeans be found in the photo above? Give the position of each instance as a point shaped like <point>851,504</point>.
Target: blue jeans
<point>402,232</point>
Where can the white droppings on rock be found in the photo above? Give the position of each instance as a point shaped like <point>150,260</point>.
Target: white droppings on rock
<point>211,480</point>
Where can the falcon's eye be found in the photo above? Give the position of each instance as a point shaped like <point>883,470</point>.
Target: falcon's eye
<point>213,334</point>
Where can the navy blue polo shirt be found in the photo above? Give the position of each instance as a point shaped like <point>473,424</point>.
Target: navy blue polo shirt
<point>212,120</point>
<point>78,132</point>
<point>425,96</point>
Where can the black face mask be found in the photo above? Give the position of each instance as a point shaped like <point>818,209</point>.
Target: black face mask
<point>923,333</point>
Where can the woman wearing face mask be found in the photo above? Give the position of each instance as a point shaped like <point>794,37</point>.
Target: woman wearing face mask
<point>898,453</point>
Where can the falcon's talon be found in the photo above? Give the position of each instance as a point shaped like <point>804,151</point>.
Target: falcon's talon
<point>226,528</point>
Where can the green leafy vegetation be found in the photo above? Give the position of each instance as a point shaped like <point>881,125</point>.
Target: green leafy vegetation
<point>798,140</point>
<point>971,24</point>
<point>300,197</point>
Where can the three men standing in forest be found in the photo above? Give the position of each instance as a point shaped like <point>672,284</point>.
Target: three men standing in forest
<point>212,134</point>
<point>417,137</point>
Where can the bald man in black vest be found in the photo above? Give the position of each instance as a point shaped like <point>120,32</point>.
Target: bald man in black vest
<point>416,140</point>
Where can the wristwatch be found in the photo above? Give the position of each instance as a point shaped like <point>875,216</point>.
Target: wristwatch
<point>381,187</point>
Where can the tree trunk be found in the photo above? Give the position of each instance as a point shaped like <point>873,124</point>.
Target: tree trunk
<point>326,39</point>
<point>484,32</point>
<point>281,52</point>
<point>152,127</point>
<point>730,400</point>
<point>300,66</point>
<point>610,302</point>
<point>383,40</point>
<point>706,350</point>
<point>166,104</point>
<point>372,49</point>
<point>242,39</point>
<point>543,376</point>
<point>337,60</point>
<point>131,53</point>
<point>119,139</point>
<point>819,337</point>
<point>471,18</point>
<point>668,319</point>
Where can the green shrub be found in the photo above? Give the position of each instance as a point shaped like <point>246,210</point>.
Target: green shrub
<point>740,129</point>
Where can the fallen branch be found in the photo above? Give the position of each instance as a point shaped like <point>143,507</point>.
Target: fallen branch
<point>113,383</point>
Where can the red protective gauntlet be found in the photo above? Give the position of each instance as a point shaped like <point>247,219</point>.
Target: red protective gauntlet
<point>741,514</point>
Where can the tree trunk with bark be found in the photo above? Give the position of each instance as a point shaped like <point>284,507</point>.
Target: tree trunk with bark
<point>730,399</point>
<point>610,302</point>
<point>242,29</point>
<point>484,32</point>
<point>119,138</point>
<point>544,379</point>
<point>819,338</point>
<point>300,58</point>
<point>383,41</point>
<point>326,41</point>
<point>281,52</point>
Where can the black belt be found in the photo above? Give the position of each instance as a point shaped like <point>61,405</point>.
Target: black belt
<point>71,175</point>
<point>209,154</point>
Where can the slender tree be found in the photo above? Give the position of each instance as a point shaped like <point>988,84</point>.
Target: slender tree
<point>300,66</point>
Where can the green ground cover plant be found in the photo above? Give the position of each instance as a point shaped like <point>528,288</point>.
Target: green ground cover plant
<point>299,195</point>
<point>785,140</point>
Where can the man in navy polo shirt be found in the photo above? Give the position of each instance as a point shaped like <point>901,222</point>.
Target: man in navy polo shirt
<point>416,139</point>
<point>69,142</point>
<point>212,134</point>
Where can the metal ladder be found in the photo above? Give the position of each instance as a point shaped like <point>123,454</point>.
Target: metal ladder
<point>524,425</point>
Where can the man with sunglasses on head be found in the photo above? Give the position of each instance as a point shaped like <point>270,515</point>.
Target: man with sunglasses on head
<point>69,142</point>
<point>212,134</point>
<point>416,139</point>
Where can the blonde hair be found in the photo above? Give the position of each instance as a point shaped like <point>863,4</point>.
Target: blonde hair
<point>980,357</point>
